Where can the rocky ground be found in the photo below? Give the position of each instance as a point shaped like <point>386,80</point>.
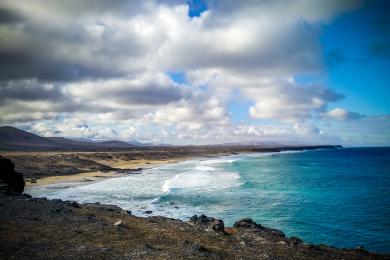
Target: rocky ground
<point>33,228</point>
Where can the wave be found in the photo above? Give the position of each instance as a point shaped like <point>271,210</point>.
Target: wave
<point>210,180</point>
<point>222,160</point>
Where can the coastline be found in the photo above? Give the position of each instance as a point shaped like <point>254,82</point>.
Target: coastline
<point>96,230</point>
<point>123,168</point>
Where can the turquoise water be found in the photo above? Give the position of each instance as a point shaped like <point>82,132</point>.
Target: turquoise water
<point>336,197</point>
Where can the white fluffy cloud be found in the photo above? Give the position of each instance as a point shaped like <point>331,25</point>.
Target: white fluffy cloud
<point>341,114</point>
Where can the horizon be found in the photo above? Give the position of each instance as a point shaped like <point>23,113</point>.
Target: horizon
<point>200,72</point>
<point>146,144</point>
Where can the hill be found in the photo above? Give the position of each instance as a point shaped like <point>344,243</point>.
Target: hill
<point>12,138</point>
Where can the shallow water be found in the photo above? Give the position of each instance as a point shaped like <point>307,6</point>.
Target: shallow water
<point>337,197</point>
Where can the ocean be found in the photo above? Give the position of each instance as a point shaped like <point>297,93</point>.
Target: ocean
<point>335,197</point>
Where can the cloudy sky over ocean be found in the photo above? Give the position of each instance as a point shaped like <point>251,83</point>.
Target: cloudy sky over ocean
<point>198,72</point>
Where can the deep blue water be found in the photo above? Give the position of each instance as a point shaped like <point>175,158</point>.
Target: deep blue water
<point>336,197</point>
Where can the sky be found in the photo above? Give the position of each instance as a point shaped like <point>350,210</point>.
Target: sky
<point>199,71</point>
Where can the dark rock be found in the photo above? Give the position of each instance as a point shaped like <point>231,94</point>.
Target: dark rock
<point>295,240</point>
<point>57,210</point>
<point>91,217</point>
<point>361,249</point>
<point>149,247</point>
<point>275,232</point>
<point>111,208</point>
<point>8,174</point>
<point>248,223</point>
<point>148,212</point>
<point>74,204</point>
<point>199,251</point>
<point>208,223</point>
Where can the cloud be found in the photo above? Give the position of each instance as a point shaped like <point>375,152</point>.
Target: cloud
<point>49,42</point>
<point>199,112</point>
<point>292,102</point>
<point>29,90</point>
<point>274,97</point>
<point>306,129</point>
<point>76,128</point>
<point>369,131</point>
<point>66,65</point>
<point>153,89</point>
<point>341,114</point>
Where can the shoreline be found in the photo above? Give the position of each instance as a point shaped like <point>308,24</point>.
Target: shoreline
<point>124,168</point>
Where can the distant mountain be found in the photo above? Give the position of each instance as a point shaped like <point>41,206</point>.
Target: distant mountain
<point>114,143</point>
<point>262,144</point>
<point>12,138</point>
<point>138,143</point>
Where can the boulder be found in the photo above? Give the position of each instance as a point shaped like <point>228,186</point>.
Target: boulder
<point>8,174</point>
<point>248,223</point>
<point>208,223</point>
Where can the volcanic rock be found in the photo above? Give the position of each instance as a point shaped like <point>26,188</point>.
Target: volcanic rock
<point>208,223</point>
<point>8,174</point>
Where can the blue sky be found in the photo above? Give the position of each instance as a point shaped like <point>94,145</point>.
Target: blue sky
<point>198,72</point>
<point>362,75</point>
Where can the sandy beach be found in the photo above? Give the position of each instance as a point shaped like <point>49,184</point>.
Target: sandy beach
<point>100,175</point>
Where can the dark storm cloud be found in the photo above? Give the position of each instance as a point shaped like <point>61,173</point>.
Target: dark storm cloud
<point>151,95</point>
<point>26,90</point>
<point>8,17</point>
<point>57,46</point>
<point>19,95</point>
<point>19,65</point>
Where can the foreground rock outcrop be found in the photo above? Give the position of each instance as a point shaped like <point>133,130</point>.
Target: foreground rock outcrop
<point>33,228</point>
<point>207,223</point>
<point>14,180</point>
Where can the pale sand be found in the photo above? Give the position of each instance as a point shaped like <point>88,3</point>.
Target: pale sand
<point>99,176</point>
<point>141,163</point>
<point>81,177</point>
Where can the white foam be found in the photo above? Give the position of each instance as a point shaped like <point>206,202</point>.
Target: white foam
<point>204,168</point>
<point>142,192</point>
<point>194,181</point>
<point>218,161</point>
